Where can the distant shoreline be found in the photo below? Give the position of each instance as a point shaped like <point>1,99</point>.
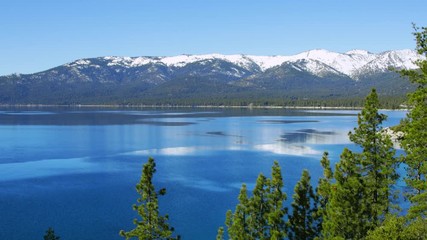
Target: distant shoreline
<point>182,106</point>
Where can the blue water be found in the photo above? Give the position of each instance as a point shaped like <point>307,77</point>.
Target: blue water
<point>75,169</point>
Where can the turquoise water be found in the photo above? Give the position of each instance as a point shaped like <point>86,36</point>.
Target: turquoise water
<point>75,170</point>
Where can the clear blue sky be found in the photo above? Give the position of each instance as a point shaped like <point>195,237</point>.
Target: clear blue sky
<point>39,34</point>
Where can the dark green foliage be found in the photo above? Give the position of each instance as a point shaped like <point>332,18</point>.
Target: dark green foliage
<point>50,235</point>
<point>259,209</point>
<point>345,214</point>
<point>276,200</point>
<point>220,234</point>
<point>302,222</point>
<point>400,228</point>
<point>152,225</point>
<point>414,128</point>
<point>377,159</point>
<point>323,191</point>
<point>262,215</point>
<point>237,222</point>
<point>362,192</point>
<point>392,228</point>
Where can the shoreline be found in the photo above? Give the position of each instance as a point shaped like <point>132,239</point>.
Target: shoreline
<point>187,107</point>
<point>178,106</point>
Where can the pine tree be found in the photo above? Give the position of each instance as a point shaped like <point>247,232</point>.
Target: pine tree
<point>276,200</point>
<point>377,159</point>
<point>361,196</point>
<point>220,234</point>
<point>261,215</point>
<point>345,214</point>
<point>259,209</point>
<point>152,225</point>
<point>237,223</point>
<point>323,191</point>
<point>392,228</point>
<point>415,132</point>
<point>50,235</point>
<point>302,223</point>
<point>400,228</point>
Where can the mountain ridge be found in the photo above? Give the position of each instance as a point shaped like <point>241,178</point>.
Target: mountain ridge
<point>314,74</point>
<point>360,58</point>
<point>346,63</point>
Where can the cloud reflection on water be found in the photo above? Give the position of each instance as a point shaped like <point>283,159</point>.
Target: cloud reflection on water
<point>276,148</point>
<point>172,151</point>
<point>199,183</point>
<point>287,149</point>
<point>312,136</point>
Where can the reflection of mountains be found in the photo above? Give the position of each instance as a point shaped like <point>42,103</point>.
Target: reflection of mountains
<point>308,136</point>
<point>287,121</point>
<point>222,134</point>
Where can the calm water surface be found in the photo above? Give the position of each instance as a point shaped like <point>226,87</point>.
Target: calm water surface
<point>76,170</point>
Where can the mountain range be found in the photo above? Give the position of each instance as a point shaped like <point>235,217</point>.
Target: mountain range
<point>213,79</point>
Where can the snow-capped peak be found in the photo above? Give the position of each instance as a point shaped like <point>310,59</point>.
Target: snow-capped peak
<point>129,61</point>
<point>182,60</point>
<point>318,54</point>
<point>399,59</point>
<point>315,67</point>
<point>80,62</point>
<point>266,62</point>
<point>349,63</point>
<point>358,52</point>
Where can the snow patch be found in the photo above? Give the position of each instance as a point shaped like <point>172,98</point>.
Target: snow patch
<point>358,52</point>
<point>318,61</point>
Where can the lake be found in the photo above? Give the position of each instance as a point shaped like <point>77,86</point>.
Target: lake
<point>75,169</point>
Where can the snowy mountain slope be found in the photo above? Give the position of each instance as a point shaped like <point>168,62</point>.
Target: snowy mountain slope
<point>400,59</point>
<point>352,63</point>
<point>179,61</point>
<point>314,67</point>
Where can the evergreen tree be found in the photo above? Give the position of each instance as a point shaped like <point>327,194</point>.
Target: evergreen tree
<point>415,132</point>
<point>361,196</point>
<point>220,234</point>
<point>261,215</point>
<point>152,225</point>
<point>259,209</point>
<point>392,228</point>
<point>276,201</point>
<point>50,235</point>
<point>377,159</point>
<point>237,223</point>
<point>302,223</point>
<point>416,229</point>
<point>400,228</point>
<point>323,191</point>
<point>345,214</point>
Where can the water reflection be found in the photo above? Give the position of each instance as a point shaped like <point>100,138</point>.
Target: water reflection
<point>172,151</point>
<point>287,149</point>
<point>163,123</point>
<point>26,113</point>
<point>313,136</point>
<point>276,148</point>
<point>287,121</point>
<point>199,183</point>
<point>44,168</point>
<point>223,134</point>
